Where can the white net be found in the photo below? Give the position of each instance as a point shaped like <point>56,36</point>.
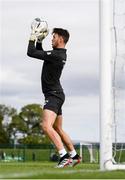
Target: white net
<point>118,78</point>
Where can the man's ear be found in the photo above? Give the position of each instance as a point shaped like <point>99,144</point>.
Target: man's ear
<point>61,39</point>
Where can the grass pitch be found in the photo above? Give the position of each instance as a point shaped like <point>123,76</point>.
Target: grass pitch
<point>46,170</point>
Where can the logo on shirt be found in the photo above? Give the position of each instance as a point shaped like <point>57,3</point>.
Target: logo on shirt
<point>64,61</point>
<point>46,101</point>
<point>48,53</point>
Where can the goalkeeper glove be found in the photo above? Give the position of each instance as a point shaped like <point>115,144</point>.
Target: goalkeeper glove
<point>42,35</point>
<point>34,29</point>
<point>39,30</point>
<point>33,36</point>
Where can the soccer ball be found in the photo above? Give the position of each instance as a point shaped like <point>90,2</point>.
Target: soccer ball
<point>39,25</point>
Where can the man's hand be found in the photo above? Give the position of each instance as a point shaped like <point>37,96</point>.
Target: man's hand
<point>42,35</point>
<point>38,31</point>
<point>34,25</point>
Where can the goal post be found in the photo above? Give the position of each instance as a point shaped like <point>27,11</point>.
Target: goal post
<point>106,90</point>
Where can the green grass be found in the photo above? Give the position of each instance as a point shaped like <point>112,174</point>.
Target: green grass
<point>46,170</point>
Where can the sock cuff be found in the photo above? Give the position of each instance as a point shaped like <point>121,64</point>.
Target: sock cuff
<point>62,152</point>
<point>72,153</point>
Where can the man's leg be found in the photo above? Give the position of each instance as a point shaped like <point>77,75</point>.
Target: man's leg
<point>64,136</point>
<point>66,140</point>
<point>47,126</point>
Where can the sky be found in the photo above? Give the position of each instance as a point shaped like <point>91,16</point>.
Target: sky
<point>20,74</point>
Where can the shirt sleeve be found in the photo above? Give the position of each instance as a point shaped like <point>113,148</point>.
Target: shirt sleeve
<point>39,53</point>
<point>39,46</point>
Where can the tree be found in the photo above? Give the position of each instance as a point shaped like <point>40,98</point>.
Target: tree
<point>32,117</point>
<point>17,125</point>
<point>8,112</point>
<point>3,136</point>
<point>26,123</point>
<point>31,114</point>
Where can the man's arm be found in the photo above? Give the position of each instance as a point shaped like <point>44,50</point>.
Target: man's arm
<point>40,54</point>
<point>35,52</point>
<point>51,56</point>
<point>38,33</point>
<point>39,46</point>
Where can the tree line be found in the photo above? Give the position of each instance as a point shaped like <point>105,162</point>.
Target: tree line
<point>22,127</point>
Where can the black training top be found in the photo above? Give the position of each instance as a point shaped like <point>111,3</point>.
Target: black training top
<point>54,61</point>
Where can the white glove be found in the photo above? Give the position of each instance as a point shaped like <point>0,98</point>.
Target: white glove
<point>34,26</point>
<point>39,30</point>
<point>42,35</point>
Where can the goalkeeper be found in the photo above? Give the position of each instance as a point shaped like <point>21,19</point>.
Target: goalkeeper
<point>54,61</point>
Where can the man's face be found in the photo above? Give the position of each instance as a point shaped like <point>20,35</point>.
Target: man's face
<point>55,40</point>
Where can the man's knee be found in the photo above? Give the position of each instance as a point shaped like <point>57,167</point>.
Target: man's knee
<point>45,127</point>
<point>47,120</point>
<point>58,129</point>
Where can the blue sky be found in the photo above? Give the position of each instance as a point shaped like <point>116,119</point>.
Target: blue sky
<point>20,75</point>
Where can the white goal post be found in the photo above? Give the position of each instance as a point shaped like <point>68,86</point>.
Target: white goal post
<point>106,94</point>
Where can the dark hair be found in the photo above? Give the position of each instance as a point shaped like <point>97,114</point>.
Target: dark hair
<point>62,32</point>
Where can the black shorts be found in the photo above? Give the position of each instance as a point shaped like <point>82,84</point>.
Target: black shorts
<point>54,101</point>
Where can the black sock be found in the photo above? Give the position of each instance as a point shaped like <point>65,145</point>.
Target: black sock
<point>76,156</point>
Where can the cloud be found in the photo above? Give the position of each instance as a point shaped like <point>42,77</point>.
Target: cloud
<point>81,117</point>
<point>80,85</point>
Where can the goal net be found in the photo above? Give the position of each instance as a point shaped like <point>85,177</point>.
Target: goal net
<point>118,80</point>
<point>112,93</point>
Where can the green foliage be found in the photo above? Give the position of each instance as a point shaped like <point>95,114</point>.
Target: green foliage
<point>3,137</point>
<point>31,113</point>
<point>34,139</point>
<point>31,116</point>
<point>27,122</point>
<point>5,111</point>
<point>18,124</point>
